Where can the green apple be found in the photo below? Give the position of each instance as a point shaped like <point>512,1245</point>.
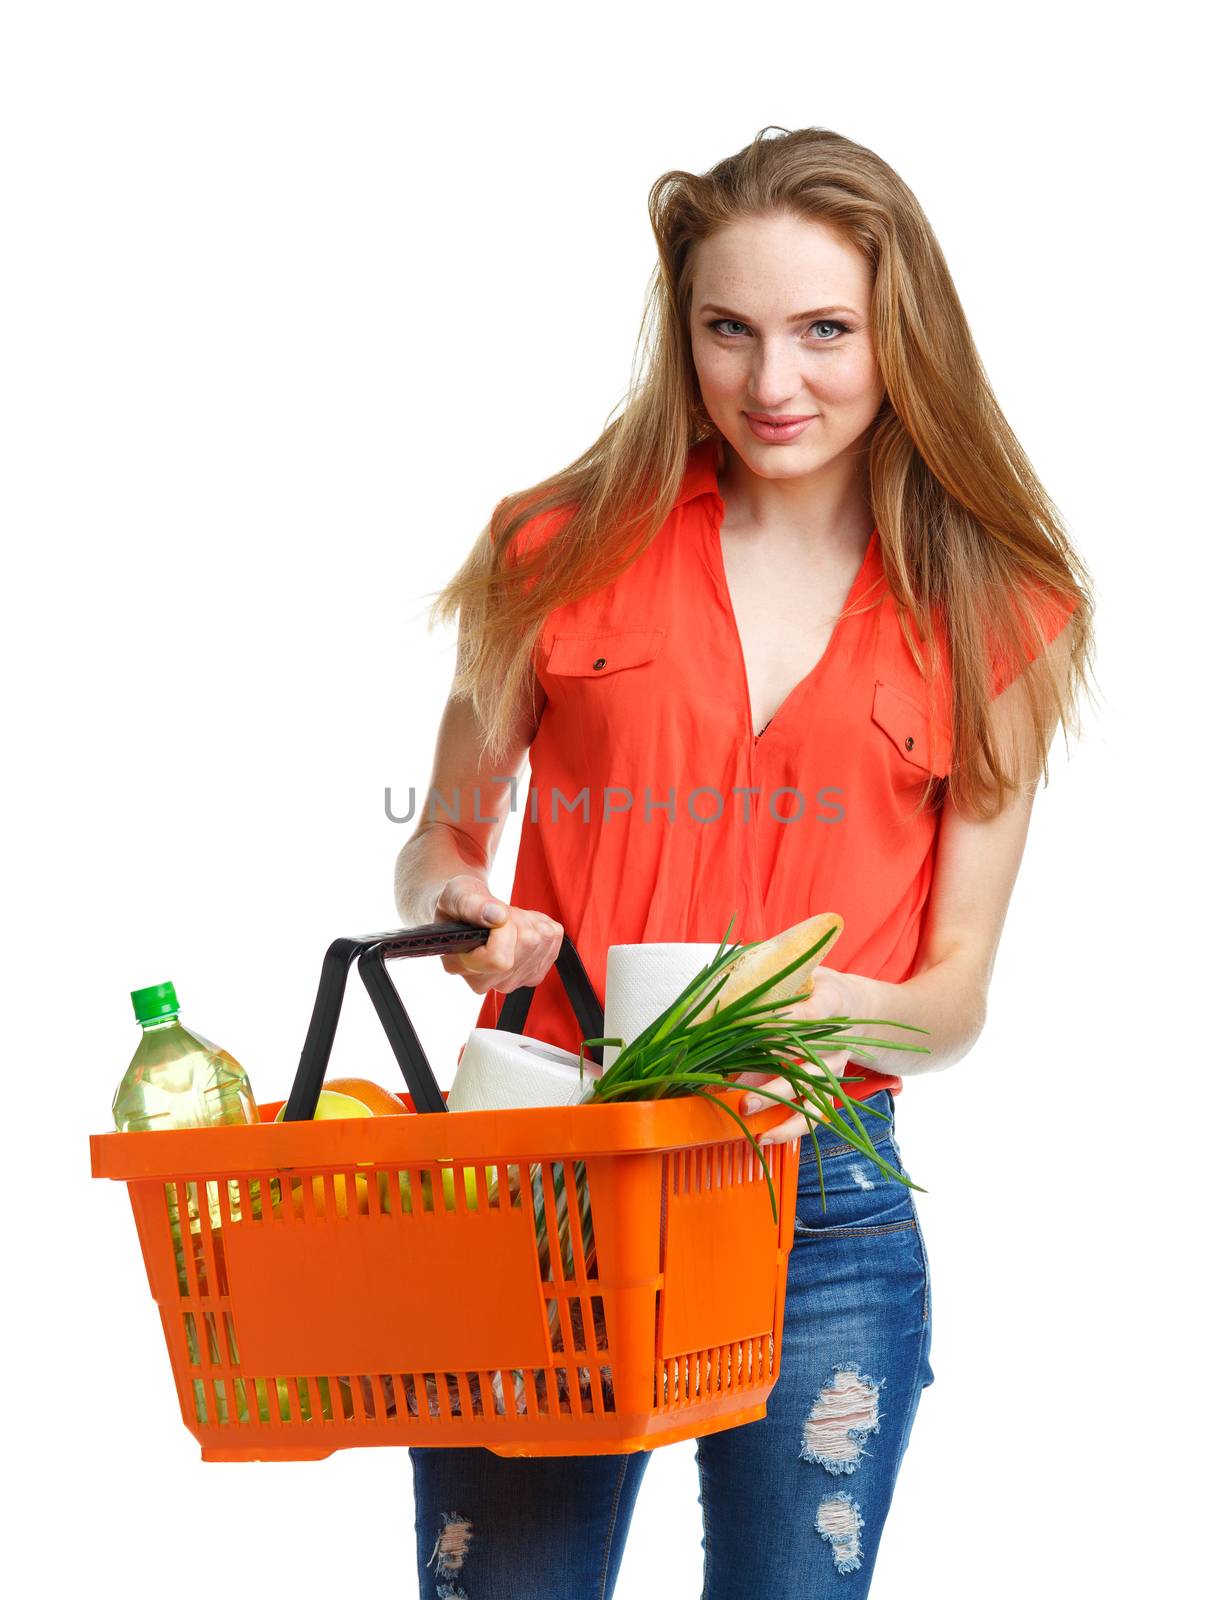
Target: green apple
<point>332,1105</point>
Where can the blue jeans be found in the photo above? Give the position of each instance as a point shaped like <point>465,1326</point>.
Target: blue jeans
<point>793,1504</point>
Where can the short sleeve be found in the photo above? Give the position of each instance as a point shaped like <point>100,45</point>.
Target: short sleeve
<point>1052,611</point>
<point>535,531</point>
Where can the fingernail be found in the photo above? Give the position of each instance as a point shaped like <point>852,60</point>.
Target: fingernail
<point>493,910</point>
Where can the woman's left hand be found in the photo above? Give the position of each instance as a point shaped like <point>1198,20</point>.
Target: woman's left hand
<point>835,995</point>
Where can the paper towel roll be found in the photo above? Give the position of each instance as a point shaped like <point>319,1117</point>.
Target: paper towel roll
<point>642,980</point>
<point>502,1071</point>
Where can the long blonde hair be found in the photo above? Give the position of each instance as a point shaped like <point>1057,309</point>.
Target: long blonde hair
<point>968,535</point>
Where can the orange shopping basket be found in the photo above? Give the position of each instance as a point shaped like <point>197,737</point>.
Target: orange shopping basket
<point>411,1281</point>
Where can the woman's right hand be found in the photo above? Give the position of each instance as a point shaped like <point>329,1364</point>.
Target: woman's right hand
<point>520,950</point>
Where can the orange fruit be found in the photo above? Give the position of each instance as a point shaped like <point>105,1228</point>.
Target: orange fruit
<point>380,1101</point>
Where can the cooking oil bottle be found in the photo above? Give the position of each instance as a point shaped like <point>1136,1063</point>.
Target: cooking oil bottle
<point>179,1079</point>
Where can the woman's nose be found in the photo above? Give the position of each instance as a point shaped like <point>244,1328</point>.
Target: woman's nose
<point>775,378</point>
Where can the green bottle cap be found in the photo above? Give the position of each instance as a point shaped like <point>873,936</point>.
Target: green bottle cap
<point>159,1001</point>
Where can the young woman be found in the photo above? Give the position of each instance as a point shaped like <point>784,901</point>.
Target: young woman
<point>793,636</point>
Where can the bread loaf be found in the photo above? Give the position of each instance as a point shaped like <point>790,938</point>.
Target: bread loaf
<point>755,965</point>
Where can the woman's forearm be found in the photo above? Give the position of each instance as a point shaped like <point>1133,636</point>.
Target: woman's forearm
<point>948,999</point>
<point>432,856</point>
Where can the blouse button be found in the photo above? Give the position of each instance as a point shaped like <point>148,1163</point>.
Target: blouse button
<point>599,663</point>
<point>910,743</point>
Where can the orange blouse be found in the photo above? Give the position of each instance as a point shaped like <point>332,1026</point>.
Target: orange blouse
<point>655,813</point>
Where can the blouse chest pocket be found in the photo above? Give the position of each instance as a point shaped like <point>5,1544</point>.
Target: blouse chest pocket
<point>601,685</point>
<point>921,740</point>
<point>599,653</point>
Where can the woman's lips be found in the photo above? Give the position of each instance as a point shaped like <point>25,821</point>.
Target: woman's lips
<point>777,432</point>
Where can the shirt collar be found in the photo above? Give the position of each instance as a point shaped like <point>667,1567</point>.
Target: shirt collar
<point>700,476</point>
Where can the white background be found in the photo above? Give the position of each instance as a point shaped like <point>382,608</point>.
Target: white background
<point>256,258</point>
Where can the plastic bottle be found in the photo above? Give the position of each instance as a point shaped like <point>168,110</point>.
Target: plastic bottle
<point>178,1079</point>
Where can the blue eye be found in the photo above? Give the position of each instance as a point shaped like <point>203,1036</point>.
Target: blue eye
<point>823,322</point>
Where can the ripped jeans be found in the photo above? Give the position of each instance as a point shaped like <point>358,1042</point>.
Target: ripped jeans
<point>793,1504</point>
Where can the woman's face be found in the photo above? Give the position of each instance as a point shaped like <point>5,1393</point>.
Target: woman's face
<point>780,326</point>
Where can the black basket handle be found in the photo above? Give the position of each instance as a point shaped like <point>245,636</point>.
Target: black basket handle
<point>434,939</point>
